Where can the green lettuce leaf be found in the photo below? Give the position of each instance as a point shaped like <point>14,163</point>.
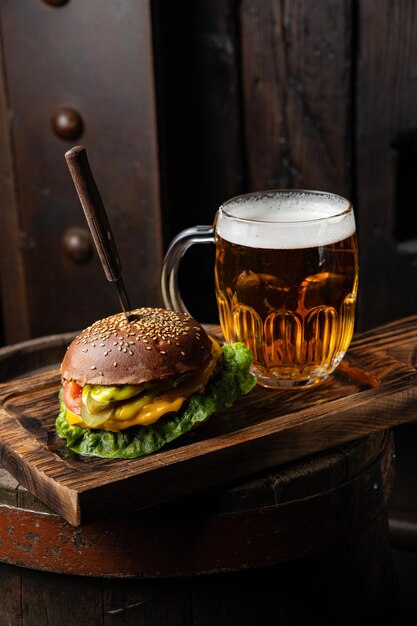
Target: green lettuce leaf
<point>222,390</point>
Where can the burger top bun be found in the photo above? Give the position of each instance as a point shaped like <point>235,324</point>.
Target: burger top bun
<point>157,345</point>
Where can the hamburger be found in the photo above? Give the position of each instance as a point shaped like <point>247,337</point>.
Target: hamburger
<point>130,387</point>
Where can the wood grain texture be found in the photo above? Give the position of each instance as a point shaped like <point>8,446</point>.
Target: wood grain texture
<point>11,595</point>
<point>45,600</point>
<point>200,127</point>
<point>325,471</point>
<point>218,525</point>
<point>318,590</point>
<point>296,73</point>
<point>386,104</point>
<point>264,521</point>
<point>263,429</point>
<point>108,80</point>
<point>398,339</point>
<point>12,262</point>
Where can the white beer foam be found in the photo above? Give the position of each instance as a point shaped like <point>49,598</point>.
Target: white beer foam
<point>282,220</point>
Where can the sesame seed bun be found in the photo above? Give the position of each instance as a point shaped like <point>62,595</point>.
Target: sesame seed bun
<point>158,345</point>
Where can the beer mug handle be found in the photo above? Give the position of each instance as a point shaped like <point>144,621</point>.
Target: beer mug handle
<point>178,247</point>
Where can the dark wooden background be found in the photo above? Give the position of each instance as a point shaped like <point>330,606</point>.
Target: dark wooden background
<point>185,104</point>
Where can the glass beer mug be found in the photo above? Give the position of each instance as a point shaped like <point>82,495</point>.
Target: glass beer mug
<point>286,278</point>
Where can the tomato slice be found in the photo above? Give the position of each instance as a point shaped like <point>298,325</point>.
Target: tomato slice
<point>72,396</point>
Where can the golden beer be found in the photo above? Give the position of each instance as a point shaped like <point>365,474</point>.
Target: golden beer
<point>286,277</point>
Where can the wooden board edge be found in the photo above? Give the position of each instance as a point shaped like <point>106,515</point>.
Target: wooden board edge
<point>244,445</point>
<point>276,426</point>
<point>39,484</point>
<point>85,551</point>
<point>224,465</point>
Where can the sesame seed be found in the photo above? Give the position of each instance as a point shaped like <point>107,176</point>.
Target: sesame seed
<point>158,327</point>
<point>130,352</point>
<point>93,367</point>
<point>115,364</point>
<point>183,353</point>
<point>148,348</point>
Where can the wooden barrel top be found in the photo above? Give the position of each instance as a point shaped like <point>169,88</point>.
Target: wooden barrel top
<point>275,517</point>
<point>280,516</point>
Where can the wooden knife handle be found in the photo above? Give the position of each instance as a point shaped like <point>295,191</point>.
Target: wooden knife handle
<point>94,210</point>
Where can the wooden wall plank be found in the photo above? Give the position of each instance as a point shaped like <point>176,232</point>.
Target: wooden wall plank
<point>198,85</point>
<point>296,72</point>
<point>12,266</point>
<point>52,61</point>
<point>386,111</point>
<point>201,141</point>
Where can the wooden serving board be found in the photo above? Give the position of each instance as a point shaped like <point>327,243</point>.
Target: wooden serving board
<point>371,391</point>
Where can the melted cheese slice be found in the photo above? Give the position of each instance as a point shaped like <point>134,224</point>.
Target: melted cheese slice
<point>127,414</point>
